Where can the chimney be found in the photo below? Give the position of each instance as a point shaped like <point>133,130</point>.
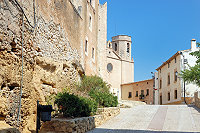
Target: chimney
<point>193,44</point>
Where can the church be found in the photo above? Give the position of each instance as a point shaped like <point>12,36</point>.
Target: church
<point>118,66</point>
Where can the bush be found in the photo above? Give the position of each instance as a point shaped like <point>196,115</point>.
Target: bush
<point>93,82</point>
<point>104,99</point>
<point>71,105</point>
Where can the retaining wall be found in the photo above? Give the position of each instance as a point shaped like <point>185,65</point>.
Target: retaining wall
<point>79,125</point>
<point>197,99</point>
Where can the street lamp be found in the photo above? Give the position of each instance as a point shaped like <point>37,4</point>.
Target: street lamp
<point>183,79</point>
<point>153,77</point>
<point>176,73</point>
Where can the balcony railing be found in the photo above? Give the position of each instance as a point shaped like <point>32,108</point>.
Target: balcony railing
<point>141,96</point>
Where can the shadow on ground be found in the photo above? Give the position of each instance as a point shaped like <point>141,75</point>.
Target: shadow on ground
<point>9,130</point>
<point>101,130</point>
<point>193,106</point>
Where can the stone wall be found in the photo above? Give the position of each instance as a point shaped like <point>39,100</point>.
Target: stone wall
<point>104,114</point>
<point>80,125</point>
<point>197,99</point>
<point>54,54</point>
<point>50,63</point>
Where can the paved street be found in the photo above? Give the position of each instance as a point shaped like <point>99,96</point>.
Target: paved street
<point>153,118</point>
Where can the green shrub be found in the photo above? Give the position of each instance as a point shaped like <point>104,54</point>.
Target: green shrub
<point>71,105</point>
<point>93,82</point>
<point>104,99</point>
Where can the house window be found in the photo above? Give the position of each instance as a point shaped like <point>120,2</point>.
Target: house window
<point>175,94</point>
<point>142,92</point>
<point>129,94</point>
<point>147,92</point>
<point>160,70</point>
<point>168,79</point>
<point>93,53</point>
<point>128,47</point>
<point>175,60</point>
<point>115,46</point>
<point>147,82</point>
<point>160,99</point>
<point>175,76</point>
<point>168,65</point>
<point>160,84</point>
<point>86,45</point>
<point>168,96</point>
<point>136,95</point>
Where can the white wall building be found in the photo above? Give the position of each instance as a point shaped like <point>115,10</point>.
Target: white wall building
<point>170,87</point>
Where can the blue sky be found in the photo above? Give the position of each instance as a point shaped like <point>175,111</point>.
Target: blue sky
<point>159,28</point>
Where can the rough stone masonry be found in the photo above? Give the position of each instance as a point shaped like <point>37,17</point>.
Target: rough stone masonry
<point>50,63</point>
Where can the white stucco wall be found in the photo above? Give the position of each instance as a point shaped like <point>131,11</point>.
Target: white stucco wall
<point>164,70</point>
<point>191,61</point>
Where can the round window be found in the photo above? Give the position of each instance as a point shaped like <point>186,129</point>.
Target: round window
<point>109,67</point>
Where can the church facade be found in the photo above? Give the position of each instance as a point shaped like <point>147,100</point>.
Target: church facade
<point>117,64</point>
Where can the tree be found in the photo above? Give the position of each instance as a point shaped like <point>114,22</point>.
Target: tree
<point>192,75</point>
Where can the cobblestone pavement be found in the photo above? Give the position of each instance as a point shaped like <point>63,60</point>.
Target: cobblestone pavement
<point>153,118</point>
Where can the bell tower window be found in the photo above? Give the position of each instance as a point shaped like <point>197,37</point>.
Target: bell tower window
<point>115,46</point>
<point>128,48</point>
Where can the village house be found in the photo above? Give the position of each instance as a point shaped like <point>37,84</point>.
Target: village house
<point>171,89</point>
<point>139,91</point>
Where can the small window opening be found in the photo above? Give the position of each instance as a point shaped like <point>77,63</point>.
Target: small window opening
<point>86,45</point>
<point>129,94</point>
<point>168,79</point>
<point>175,94</point>
<point>142,92</point>
<point>128,47</point>
<point>175,60</point>
<point>136,95</point>
<point>93,53</point>
<point>160,84</point>
<point>147,92</point>
<point>90,22</point>
<point>168,96</point>
<point>175,76</point>
<point>115,46</point>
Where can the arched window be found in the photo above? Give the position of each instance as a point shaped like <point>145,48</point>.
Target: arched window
<point>115,46</point>
<point>128,48</point>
